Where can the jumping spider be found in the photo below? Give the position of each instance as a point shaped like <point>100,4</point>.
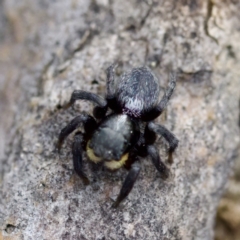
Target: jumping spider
<point>119,138</point>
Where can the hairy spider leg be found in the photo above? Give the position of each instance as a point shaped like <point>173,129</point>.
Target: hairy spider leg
<point>77,157</point>
<point>168,136</point>
<point>87,121</point>
<point>101,108</point>
<point>111,81</point>
<point>171,85</point>
<point>111,90</point>
<point>156,112</point>
<point>128,183</point>
<point>157,162</point>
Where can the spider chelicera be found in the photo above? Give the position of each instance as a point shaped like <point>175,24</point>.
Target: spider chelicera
<point>118,137</point>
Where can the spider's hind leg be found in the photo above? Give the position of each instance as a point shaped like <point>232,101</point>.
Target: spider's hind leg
<point>168,93</point>
<point>101,108</point>
<point>111,81</point>
<point>112,88</point>
<point>157,111</point>
<point>83,95</point>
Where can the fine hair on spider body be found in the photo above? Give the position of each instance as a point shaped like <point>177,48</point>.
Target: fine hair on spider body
<point>116,139</point>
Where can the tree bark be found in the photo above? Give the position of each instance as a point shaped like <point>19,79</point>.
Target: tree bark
<point>50,48</point>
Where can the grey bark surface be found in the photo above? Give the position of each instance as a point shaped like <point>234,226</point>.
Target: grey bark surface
<point>50,48</point>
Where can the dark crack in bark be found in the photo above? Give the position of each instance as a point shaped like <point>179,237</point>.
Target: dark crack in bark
<point>210,5</point>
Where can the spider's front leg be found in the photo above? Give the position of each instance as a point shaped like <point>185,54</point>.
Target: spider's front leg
<point>87,121</point>
<point>156,160</point>
<point>77,157</point>
<point>89,125</point>
<point>169,137</point>
<point>128,183</point>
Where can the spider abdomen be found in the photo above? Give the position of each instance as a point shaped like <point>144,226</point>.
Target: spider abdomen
<point>138,91</point>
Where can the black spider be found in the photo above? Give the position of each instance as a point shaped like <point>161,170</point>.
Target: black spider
<point>119,138</point>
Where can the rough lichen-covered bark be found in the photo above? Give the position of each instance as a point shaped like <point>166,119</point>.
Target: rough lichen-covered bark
<point>58,46</point>
<point>228,213</point>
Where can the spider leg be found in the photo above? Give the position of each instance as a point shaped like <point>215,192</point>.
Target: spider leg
<point>160,166</point>
<point>82,95</point>
<point>110,81</point>
<point>128,183</point>
<point>77,157</point>
<point>112,86</point>
<point>171,85</point>
<point>86,120</point>
<point>155,112</point>
<point>101,108</point>
<point>170,138</point>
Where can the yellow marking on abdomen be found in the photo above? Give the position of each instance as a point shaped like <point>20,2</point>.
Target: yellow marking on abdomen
<point>92,156</point>
<point>114,165</point>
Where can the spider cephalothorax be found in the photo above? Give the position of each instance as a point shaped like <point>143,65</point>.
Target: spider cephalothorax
<point>128,132</point>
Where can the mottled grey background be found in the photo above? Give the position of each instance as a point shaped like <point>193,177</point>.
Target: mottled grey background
<point>50,48</point>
